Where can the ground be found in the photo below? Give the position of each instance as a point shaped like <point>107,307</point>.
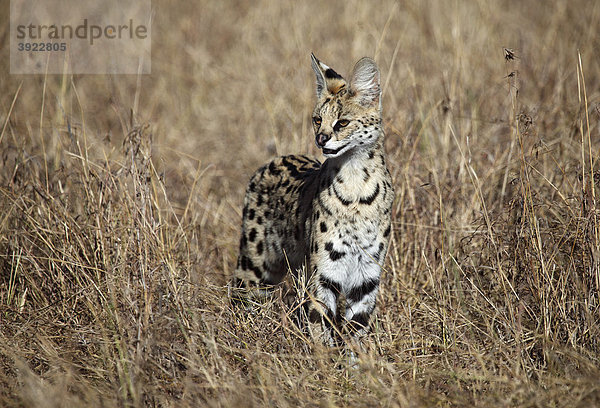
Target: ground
<point>121,198</point>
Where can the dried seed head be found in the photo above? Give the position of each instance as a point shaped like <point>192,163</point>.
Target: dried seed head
<point>509,54</point>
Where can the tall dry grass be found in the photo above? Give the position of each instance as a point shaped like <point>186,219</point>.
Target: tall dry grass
<point>120,204</point>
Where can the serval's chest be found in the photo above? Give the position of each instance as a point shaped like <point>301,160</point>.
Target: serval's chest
<point>351,212</point>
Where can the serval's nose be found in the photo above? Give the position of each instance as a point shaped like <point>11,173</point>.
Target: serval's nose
<point>322,139</point>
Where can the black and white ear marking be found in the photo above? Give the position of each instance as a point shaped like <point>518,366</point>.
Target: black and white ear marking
<point>327,78</point>
<point>364,83</point>
<point>316,66</point>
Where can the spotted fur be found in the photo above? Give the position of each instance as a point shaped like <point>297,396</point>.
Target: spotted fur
<point>333,218</point>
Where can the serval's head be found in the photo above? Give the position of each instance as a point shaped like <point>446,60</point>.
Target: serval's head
<point>347,114</point>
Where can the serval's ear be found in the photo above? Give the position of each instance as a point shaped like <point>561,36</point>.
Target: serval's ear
<point>327,79</point>
<point>364,83</point>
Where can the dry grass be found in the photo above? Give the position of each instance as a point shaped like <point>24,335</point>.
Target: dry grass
<point>120,211</point>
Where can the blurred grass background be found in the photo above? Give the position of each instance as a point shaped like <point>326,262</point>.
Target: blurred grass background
<point>120,210</point>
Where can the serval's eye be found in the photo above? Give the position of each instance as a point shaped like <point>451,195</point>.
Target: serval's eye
<point>317,121</point>
<point>342,123</point>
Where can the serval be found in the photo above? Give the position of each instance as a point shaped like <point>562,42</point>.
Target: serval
<point>331,219</point>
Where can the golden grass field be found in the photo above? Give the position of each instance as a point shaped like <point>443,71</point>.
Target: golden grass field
<point>121,196</point>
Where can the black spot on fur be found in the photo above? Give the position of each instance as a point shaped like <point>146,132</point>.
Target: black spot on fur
<point>342,199</point>
<point>259,200</point>
<point>323,227</point>
<point>369,200</point>
<point>358,292</point>
<point>387,231</point>
<point>367,175</point>
<point>273,169</point>
<point>330,285</point>
<point>256,270</point>
<point>333,254</point>
<point>251,213</point>
<point>371,154</point>
<point>259,220</point>
<point>259,248</point>
<point>244,262</point>
<point>379,251</point>
<point>252,235</point>
<point>298,172</point>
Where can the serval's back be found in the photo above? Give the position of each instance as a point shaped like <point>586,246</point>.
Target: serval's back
<point>333,218</point>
